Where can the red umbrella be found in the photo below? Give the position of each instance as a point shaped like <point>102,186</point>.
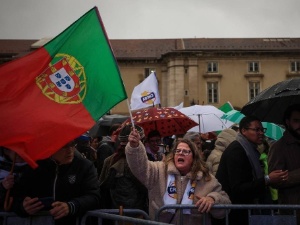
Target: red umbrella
<point>168,121</point>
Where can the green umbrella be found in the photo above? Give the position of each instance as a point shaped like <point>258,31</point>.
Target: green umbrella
<point>226,107</point>
<point>233,116</point>
<point>273,131</point>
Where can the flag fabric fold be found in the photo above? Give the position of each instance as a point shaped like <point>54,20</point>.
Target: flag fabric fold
<point>145,94</point>
<point>226,107</point>
<point>54,94</point>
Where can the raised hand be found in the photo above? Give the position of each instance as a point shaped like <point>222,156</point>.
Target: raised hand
<point>134,138</point>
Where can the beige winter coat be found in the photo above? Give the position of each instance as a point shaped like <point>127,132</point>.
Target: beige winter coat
<point>223,140</point>
<point>154,176</point>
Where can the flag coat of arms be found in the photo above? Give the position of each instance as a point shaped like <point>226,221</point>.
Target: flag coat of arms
<point>54,94</point>
<point>145,94</point>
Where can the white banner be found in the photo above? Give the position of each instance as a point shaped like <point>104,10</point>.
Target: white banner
<point>145,94</point>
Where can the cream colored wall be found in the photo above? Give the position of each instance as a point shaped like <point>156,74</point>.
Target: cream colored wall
<point>192,78</point>
<point>178,74</point>
<point>175,88</point>
<point>233,84</point>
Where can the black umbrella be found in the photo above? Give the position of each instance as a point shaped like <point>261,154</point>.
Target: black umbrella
<point>270,104</point>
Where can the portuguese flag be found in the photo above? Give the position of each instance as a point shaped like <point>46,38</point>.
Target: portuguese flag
<point>59,91</point>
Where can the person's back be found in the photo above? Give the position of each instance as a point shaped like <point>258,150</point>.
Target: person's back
<point>106,147</point>
<point>117,181</point>
<point>223,140</point>
<point>125,189</point>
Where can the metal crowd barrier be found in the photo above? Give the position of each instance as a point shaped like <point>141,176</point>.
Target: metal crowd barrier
<point>42,218</point>
<point>254,219</point>
<point>273,218</point>
<point>113,214</point>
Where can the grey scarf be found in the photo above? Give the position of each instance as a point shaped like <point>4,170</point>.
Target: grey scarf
<point>252,154</point>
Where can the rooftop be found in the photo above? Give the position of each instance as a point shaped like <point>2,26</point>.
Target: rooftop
<point>155,48</point>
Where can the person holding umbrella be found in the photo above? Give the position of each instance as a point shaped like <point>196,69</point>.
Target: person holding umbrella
<point>182,178</point>
<point>240,171</point>
<point>285,155</point>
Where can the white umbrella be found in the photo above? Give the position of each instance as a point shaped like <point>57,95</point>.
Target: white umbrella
<point>208,117</point>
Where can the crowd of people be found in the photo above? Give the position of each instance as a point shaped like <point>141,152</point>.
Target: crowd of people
<point>132,170</point>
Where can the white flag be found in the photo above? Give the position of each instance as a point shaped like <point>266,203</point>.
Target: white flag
<point>145,94</point>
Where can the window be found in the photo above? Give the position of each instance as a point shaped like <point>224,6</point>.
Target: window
<point>254,89</point>
<point>212,67</point>
<point>212,89</point>
<point>295,66</point>
<point>253,67</point>
<point>148,71</point>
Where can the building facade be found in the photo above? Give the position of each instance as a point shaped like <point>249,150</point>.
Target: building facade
<point>196,71</point>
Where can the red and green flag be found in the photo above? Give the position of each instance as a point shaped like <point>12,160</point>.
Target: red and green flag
<point>59,91</point>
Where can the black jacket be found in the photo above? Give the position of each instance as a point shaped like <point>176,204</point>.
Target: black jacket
<point>75,183</point>
<point>235,175</point>
<point>121,187</point>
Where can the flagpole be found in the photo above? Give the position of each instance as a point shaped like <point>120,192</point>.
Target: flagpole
<point>199,123</point>
<point>9,199</point>
<point>130,113</point>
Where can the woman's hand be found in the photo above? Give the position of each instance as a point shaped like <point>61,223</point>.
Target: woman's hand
<point>134,138</point>
<point>204,204</point>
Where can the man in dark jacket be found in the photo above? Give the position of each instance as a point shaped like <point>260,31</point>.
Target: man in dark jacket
<point>68,178</point>
<point>106,147</point>
<point>241,173</point>
<point>119,186</point>
<point>285,155</point>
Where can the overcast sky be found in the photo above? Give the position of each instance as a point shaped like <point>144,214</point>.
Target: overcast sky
<point>150,19</point>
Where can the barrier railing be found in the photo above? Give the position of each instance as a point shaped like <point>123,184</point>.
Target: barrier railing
<point>42,218</point>
<point>271,219</point>
<point>111,214</point>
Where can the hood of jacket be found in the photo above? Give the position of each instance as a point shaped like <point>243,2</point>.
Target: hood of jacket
<point>225,138</point>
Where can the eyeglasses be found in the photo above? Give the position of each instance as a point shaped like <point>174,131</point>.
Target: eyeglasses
<point>264,130</point>
<point>184,152</point>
